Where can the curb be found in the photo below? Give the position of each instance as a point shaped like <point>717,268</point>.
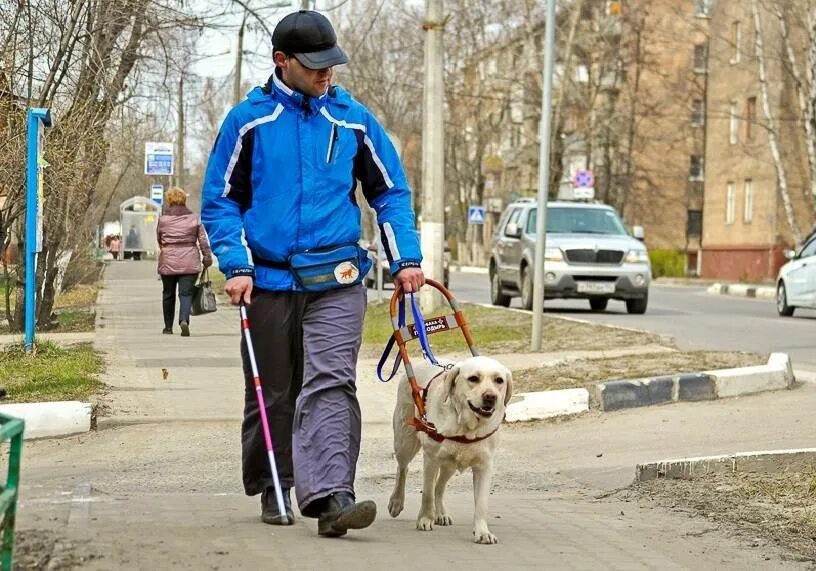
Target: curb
<point>547,404</point>
<point>742,290</point>
<point>707,385</point>
<point>630,393</point>
<point>49,419</point>
<point>766,462</point>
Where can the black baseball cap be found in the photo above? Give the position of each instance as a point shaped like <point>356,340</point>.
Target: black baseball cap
<point>309,36</point>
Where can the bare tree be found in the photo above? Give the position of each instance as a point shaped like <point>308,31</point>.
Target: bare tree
<point>773,144</point>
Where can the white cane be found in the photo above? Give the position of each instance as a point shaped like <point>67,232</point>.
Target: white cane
<point>262,407</point>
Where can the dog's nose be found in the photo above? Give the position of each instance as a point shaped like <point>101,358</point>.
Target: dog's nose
<point>489,399</point>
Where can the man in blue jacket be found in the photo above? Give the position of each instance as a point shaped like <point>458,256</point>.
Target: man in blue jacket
<point>279,206</point>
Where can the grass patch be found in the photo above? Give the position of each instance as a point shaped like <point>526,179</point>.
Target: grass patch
<point>586,372</point>
<point>51,373</point>
<point>75,321</point>
<point>503,331</point>
<point>79,297</point>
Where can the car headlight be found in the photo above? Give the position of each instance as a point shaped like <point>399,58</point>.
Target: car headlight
<point>637,257</point>
<point>553,255</point>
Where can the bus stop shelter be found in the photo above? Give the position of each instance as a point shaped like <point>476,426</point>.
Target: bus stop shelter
<point>139,217</point>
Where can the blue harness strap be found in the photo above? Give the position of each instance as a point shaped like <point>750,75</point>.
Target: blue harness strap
<point>421,334</point>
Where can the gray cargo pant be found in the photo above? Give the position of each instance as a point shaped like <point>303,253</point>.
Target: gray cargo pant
<point>306,346</point>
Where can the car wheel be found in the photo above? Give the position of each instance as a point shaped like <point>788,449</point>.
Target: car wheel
<point>497,296</point>
<point>782,306</point>
<point>526,288</point>
<point>637,306</point>
<point>598,303</point>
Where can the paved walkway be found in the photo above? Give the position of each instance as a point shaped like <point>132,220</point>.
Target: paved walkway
<point>158,486</point>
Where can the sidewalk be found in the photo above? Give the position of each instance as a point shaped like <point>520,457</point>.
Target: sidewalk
<point>158,486</point>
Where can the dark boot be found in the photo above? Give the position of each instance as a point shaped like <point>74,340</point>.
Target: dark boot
<point>341,514</point>
<point>269,508</point>
<point>185,329</point>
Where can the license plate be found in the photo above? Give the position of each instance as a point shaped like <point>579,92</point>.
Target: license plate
<point>596,287</point>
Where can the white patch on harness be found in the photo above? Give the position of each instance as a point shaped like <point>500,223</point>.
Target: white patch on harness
<point>346,273</point>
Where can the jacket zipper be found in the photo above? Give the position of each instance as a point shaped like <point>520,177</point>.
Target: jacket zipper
<point>332,143</point>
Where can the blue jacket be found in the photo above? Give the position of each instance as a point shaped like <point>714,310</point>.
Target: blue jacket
<point>281,179</point>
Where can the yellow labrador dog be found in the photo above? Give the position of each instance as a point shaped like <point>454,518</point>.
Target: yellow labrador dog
<point>467,400</point>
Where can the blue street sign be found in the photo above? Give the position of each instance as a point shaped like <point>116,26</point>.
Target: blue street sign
<point>158,158</point>
<point>476,214</point>
<point>157,193</point>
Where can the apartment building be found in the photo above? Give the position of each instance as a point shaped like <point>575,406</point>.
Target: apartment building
<point>747,227</point>
<point>629,104</point>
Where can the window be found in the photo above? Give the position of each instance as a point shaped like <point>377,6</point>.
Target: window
<point>750,118</point>
<point>736,38</point>
<point>695,167</point>
<point>701,8</point>
<point>514,218</point>
<point>733,123</point>
<point>700,58</point>
<point>694,226</point>
<point>748,215</point>
<point>697,112</point>
<point>729,204</point>
<point>808,250</point>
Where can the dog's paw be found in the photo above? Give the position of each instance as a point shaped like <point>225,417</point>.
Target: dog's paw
<point>395,506</point>
<point>443,519</point>
<point>484,537</point>
<point>424,524</point>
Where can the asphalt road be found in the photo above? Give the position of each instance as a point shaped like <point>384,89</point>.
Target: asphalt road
<point>694,318</point>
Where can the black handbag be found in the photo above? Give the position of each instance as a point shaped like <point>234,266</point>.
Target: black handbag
<point>203,295</point>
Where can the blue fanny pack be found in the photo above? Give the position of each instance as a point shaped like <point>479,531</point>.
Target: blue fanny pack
<point>328,268</point>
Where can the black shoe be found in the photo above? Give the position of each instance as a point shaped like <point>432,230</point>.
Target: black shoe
<point>269,508</point>
<point>167,331</point>
<point>185,329</point>
<point>341,514</point>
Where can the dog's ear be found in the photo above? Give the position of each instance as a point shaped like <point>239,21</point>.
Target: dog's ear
<point>450,382</point>
<point>508,392</point>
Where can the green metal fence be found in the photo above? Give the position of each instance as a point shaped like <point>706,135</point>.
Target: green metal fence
<point>11,430</point>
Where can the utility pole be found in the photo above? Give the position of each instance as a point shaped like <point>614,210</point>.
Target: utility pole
<point>239,61</point>
<point>433,153</point>
<point>305,5</point>
<point>180,134</point>
<point>543,178</point>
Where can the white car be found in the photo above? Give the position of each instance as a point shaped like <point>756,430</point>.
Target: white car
<point>796,284</point>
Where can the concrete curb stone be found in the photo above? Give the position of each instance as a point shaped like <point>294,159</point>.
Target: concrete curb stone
<point>630,393</point>
<point>764,462</point>
<point>742,290</point>
<point>51,419</point>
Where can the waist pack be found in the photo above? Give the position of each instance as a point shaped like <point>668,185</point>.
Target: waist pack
<point>328,268</point>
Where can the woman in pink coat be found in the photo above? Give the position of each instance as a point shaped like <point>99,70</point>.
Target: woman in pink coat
<point>183,248</point>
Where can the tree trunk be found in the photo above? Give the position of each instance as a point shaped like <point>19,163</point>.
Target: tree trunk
<point>781,175</point>
<point>805,108</point>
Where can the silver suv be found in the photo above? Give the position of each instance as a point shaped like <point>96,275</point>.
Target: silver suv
<point>589,254</point>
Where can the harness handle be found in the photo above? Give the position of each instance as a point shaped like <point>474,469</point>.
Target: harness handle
<point>420,324</point>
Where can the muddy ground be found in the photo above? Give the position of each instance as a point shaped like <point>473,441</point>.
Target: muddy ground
<point>764,509</point>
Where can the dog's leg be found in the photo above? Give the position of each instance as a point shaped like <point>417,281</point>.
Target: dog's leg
<point>447,470</point>
<point>482,476</point>
<point>426,512</point>
<point>406,445</point>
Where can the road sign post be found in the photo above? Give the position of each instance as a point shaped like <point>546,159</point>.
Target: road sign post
<point>38,119</point>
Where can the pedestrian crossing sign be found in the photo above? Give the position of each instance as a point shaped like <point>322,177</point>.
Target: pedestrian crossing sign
<point>476,214</point>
